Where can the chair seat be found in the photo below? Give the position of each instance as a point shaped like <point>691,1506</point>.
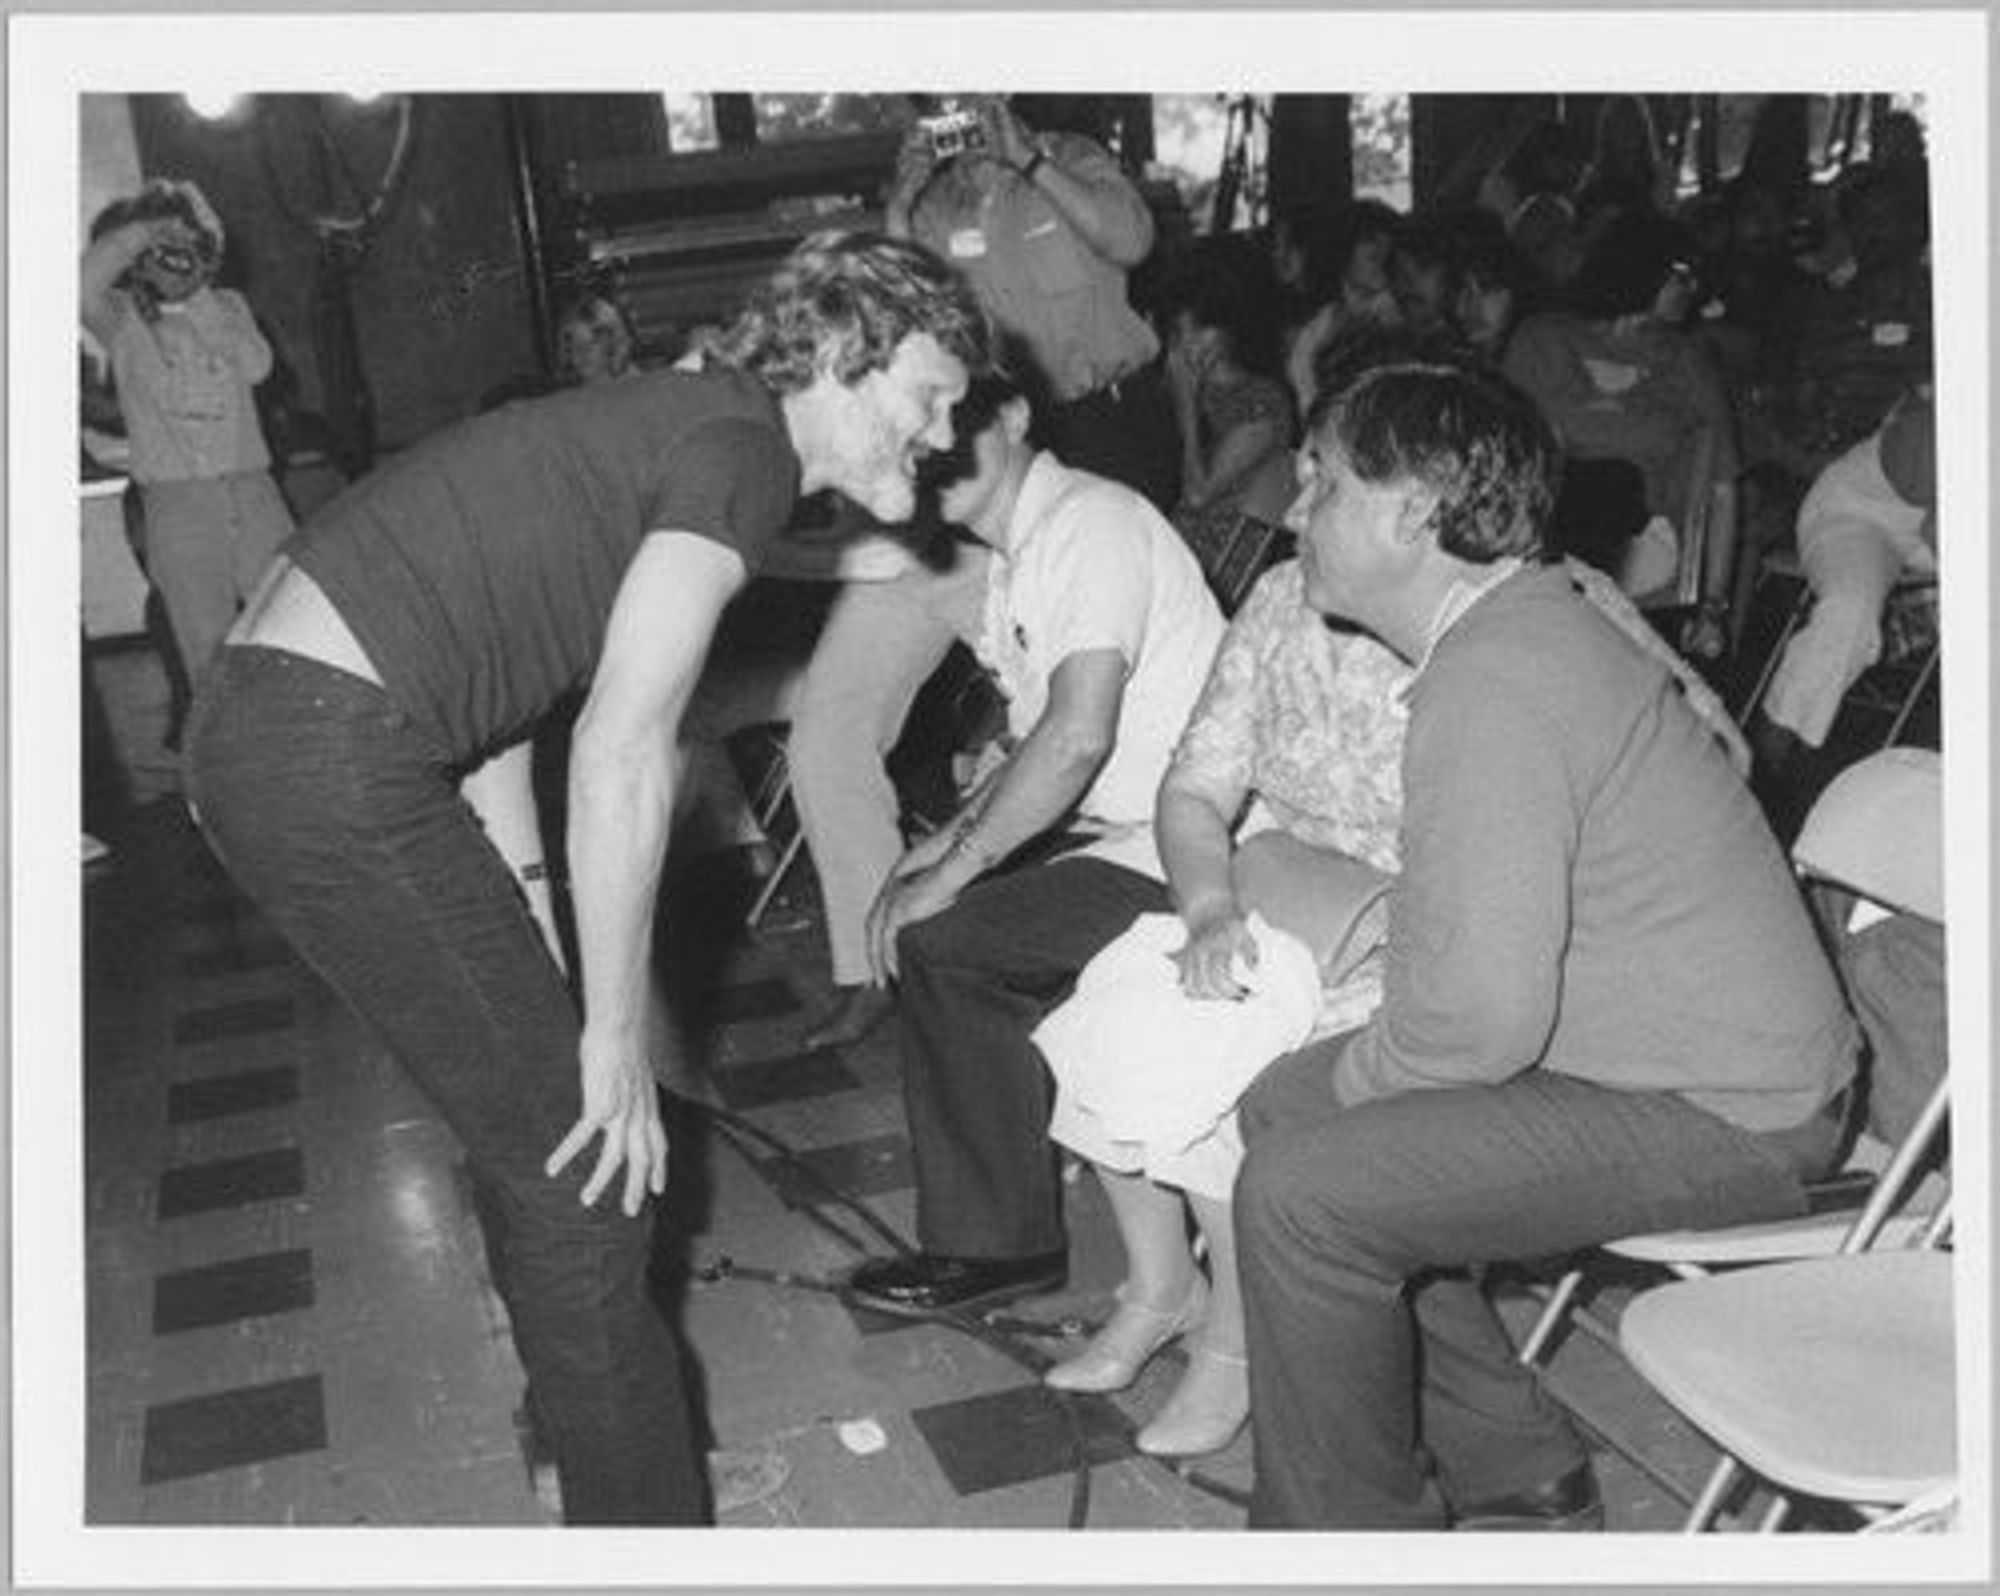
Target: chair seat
<point>1831,1376</point>
<point>1809,1236</point>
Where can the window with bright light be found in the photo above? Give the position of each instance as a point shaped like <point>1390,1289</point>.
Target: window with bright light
<point>690,122</point>
<point>1192,136</point>
<point>783,118</point>
<point>1379,126</point>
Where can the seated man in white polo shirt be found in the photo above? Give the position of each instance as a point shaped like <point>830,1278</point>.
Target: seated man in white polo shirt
<point>1100,630</point>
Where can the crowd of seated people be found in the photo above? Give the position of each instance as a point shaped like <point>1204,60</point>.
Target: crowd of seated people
<point>1224,914</point>
<point>1248,1012</point>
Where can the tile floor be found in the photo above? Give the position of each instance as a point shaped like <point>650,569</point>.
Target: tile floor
<point>289,1319</point>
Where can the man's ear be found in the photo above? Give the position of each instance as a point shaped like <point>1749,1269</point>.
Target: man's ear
<point>1016,418</point>
<point>1418,517</point>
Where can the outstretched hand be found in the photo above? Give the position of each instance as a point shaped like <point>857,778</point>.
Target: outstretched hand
<point>622,1105</point>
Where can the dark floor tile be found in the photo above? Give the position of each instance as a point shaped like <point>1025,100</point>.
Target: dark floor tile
<point>753,1000</point>
<point>240,1092</point>
<point>228,1429</point>
<point>235,955</point>
<point>784,1080</point>
<point>1020,1434</point>
<point>865,1168</point>
<point>246,1018</point>
<point>232,1182</point>
<point>242,1288</point>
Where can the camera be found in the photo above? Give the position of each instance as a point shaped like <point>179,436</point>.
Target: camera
<point>953,133</point>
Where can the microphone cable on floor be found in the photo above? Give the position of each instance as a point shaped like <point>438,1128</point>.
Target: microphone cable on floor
<point>1012,1337</point>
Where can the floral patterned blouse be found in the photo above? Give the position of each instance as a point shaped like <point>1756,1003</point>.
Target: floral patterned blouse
<point>1306,717</point>
<point>1304,720</point>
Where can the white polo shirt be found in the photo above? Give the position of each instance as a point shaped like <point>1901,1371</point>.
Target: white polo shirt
<point>1090,564</point>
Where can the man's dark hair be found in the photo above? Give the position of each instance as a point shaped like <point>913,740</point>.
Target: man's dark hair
<point>1470,437</point>
<point>1010,374</point>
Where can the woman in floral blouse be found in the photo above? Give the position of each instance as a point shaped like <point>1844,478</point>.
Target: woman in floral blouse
<point>1296,741</point>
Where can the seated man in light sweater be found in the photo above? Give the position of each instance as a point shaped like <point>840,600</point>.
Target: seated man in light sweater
<point>1099,629</point>
<point>1604,1009</point>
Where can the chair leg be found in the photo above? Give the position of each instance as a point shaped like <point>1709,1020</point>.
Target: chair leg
<point>1709,1503</point>
<point>1793,617</point>
<point>776,879</point>
<point>1554,1311</point>
<point>1775,1515</point>
<point>1909,704</point>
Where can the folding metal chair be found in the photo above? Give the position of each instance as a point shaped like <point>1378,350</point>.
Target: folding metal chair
<point>1830,1377</point>
<point>1876,832</point>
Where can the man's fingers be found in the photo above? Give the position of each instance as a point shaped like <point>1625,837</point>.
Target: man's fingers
<point>609,1156</point>
<point>658,1162</point>
<point>568,1148</point>
<point>638,1168</point>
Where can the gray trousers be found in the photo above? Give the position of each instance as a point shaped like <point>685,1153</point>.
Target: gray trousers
<point>1384,1390</point>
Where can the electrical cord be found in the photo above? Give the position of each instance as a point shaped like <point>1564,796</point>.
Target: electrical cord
<point>1010,1336</point>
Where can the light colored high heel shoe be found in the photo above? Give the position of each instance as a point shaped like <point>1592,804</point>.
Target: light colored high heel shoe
<point>1207,1409</point>
<point>1130,1337</point>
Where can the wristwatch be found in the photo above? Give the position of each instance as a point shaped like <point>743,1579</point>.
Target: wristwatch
<point>1034,164</point>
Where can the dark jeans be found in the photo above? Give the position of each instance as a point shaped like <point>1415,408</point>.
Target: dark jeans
<point>1125,431</point>
<point>1375,1357</point>
<point>339,816</point>
<point>975,981</point>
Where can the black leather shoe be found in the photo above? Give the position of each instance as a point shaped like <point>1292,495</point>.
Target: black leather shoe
<point>925,1282</point>
<point>1569,1502</point>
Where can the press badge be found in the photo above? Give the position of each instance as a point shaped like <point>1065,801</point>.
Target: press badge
<point>1890,334</point>
<point>967,243</point>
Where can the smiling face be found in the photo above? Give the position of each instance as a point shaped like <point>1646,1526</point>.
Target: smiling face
<point>886,420</point>
<point>1354,536</point>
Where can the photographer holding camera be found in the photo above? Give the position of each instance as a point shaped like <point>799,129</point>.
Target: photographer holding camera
<point>186,356</point>
<point>1047,226</point>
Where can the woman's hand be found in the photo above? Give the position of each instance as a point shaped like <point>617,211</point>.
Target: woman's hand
<point>1217,938</point>
<point>620,1102</point>
<point>1187,365</point>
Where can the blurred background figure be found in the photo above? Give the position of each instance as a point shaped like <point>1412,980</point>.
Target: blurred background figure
<point>593,342</point>
<point>1231,405</point>
<point>1047,227</point>
<point>186,357</point>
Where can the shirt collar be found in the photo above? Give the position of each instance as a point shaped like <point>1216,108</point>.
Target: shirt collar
<point>1465,591</point>
<point>1040,488</point>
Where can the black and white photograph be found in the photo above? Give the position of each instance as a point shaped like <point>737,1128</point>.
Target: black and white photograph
<point>1069,797</point>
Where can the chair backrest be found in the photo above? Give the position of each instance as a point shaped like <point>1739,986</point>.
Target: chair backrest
<point>1233,565</point>
<point>1877,831</point>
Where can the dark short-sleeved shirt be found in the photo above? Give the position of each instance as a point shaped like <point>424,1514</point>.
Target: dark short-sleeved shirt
<point>478,570</point>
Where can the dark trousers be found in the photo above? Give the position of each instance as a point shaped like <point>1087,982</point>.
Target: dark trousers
<point>1125,431</point>
<point>340,818</point>
<point>1375,1359</point>
<point>975,981</point>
